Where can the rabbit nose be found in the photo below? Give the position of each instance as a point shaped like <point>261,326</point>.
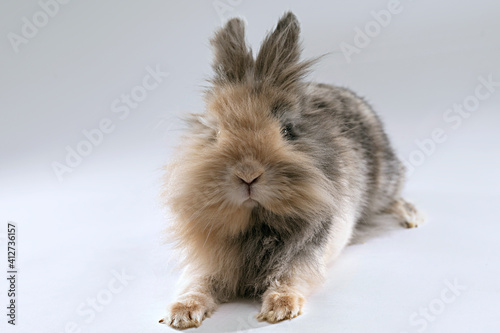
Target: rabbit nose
<point>248,172</point>
<point>249,180</point>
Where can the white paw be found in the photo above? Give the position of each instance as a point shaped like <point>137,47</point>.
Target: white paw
<point>186,313</point>
<point>412,217</point>
<point>277,307</point>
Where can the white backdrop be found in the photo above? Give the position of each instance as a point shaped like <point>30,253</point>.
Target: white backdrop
<point>80,160</point>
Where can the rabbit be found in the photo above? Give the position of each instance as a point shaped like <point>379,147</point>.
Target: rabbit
<point>274,179</point>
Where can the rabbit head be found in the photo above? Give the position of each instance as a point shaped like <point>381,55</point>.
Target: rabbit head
<point>245,152</point>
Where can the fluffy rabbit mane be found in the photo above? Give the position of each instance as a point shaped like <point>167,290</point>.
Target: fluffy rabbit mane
<point>241,133</point>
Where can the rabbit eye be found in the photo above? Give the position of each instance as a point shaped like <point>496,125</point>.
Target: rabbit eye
<point>288,133</point>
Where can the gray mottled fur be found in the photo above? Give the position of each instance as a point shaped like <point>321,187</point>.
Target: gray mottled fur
<point>342,133</point>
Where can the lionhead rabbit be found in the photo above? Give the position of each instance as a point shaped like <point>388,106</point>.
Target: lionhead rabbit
<point>275,178</point>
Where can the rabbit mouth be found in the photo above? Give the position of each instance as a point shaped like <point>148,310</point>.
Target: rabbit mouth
<point>247,176</point>
<point>250,203</point>
<point>248,193</point>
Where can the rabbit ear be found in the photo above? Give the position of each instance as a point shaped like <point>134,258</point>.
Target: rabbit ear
<point>233,59</point>
<point>278,58</point>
